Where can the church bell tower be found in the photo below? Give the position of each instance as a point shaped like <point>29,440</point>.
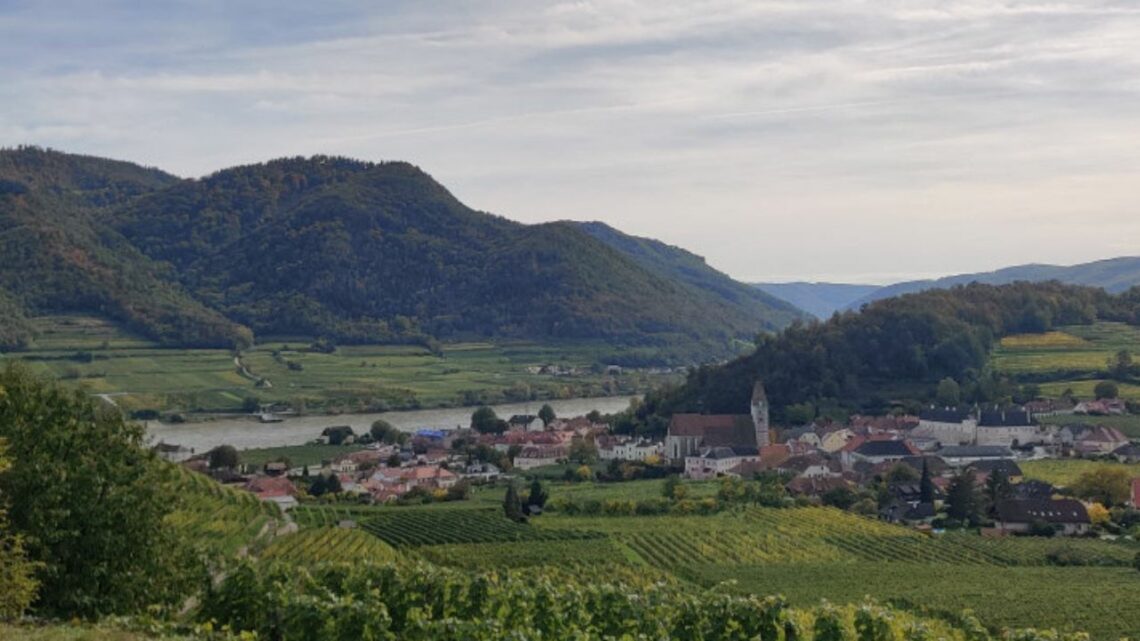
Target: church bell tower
<point>760,414</point>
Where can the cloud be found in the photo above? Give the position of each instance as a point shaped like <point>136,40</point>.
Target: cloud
<point>816,137</point>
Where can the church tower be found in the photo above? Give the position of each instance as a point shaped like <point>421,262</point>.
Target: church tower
<point>760,414</point>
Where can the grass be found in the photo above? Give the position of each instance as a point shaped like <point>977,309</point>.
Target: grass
<point>1100,601</point>
<point>1064,472</point>
<point>1129,425</point>
<point>102,358</point>
<point>1085,389</point>
<point>74,632</point>
<point>1077,348</point>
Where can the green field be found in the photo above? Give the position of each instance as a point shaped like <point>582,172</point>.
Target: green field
<point>297,455</point>
<point>135,373</point>
<point>1129,425</point>
<point>1064,472</point>
<point>1075,348</point>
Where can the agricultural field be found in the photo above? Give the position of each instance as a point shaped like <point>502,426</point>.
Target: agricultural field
<point>1064,472</point>
<point>136,374</point>
<point>329,544</point>
<point>1129,425</point>
<point>403,528</point>
<point>1085,389</point>
<point>1073,349</point>
<point>297,455</point>
<point>225,520</point>
<point>627,490</point>
<point>1101,601</point>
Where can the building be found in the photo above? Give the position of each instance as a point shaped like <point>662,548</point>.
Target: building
<point>1067,516</point>
<point>627,449</point>
<point>173,453</point>
<point>712,462</point>
<point>273,489</point>
<point>539,455</point>
<point>959,455</point>
<point>947,425</point>
<point>879,451</point>
<point>1100,439</point>
<point>689,434</point>
<point>526,423</point>
<point>1008,428</point>
<point>1008,467</point>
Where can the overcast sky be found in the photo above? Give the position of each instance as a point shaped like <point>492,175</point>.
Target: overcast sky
<point>861,141</point>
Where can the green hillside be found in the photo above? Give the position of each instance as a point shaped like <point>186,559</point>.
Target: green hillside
<point>353,251</point>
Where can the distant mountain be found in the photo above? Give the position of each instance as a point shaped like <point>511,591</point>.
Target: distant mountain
<point>1114,275</point>
<point>819,299</point>
<point>348,250</point>
<point>675,263</point>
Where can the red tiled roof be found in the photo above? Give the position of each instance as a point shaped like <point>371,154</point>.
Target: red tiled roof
<point>267,486</point>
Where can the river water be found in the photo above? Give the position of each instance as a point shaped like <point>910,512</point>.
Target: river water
<point>246,432</point>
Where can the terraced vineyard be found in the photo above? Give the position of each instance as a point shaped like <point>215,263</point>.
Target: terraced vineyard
<point>571,553</point>
<point>223,518</point>
<point>331,515</point>
<point>442,527</point>
<point>329,545</point>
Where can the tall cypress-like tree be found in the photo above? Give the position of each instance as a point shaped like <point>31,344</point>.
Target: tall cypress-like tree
<point>537,496</point>
<point>925,484</point>
<point>962,498</point>
<point>512,504</point>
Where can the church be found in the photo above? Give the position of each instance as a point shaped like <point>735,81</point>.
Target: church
<point>745,434</point>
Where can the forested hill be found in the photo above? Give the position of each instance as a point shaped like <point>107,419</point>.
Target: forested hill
<point>895,349</point>
<point>678,264</point>
<point>352,251</point>
<point>1115,275</point>
<point>56,256</point>
<point>819,299</point>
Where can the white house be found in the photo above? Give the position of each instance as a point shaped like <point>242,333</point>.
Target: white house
<point>717,461</point>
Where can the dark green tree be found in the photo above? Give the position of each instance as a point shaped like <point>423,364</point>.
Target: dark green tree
<point>1106,389</point>
<point>926,484</point>
<point>537,496</point>
<point>949,393</point>
<point>512,504</point>
<point>485,421</point>
<point>546,413</point>
<point>89,501</point>
<point>382,431</point>
<point>962,498</point>
<point>224,457</point>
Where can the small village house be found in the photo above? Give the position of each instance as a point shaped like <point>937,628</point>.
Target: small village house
<point>1067,516</point>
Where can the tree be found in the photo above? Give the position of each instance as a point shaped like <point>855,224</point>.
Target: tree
<point>333,485</point>
<point>17,584</point>
<point>800,413</point>
<point>669,489</point>
<point>224,457</point>
<point>997,489</point>
<point>925,484</point>
<point>583,450</point>
<point>91,507</point>
<point>1099,514</point>
<point>485,421</point>
<point>250,404</point>
<point>537,496</point>
<point>1120,364</point>
<point>546,413</point>
<point>840,497</point>
<point>1106,389</point>
<point>961,498</point>
<point>512,505</point>
<point>1105,485</point>
<point>901,473</point>
<point>949,394</point>
<point>319,486</point>
<point>380,430</point>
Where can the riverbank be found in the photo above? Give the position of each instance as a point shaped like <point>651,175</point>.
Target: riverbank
<point>246,432</point>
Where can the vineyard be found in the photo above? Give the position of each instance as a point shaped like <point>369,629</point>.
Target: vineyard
<point>223,518</point>
<point>1101,601</point>
<point>328,545</point>
<point>442,527</point>
<point>567,554</point>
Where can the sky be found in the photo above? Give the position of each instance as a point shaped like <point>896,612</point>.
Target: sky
<point>861,141</point>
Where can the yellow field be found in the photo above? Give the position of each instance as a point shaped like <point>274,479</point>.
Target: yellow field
<point>1048,340</point>
<point>1065,472</point>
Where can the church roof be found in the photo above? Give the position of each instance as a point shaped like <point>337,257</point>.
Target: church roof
<point>715,430</point>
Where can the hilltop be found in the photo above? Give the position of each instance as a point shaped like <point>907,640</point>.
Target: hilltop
<point>352,251</point>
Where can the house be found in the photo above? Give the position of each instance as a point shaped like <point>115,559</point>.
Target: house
<point>833,440</point>
<point>960,455</point>
<point>482,471</point>
<point>1033,490</point>
<point>816,486</point>
<point>690,433</point>
<point>275,468</point>
<point>1102,407</point>
<point>987,467</point>
<point>1067,516</point>
<point>1008,428</point>
<point>805,435</point>
<point>428,476</point>
<point>526,423</point>
<point>627,449</point>
<point>879,451</point>
<point>899,511</point>
<point>717,461</point>
<point>539,455</point>
<point>1100,439</point>
<point>811,465</point>
<point>173,453</point>
<point>1129,453</point>
<point>273,489</point>
<point>948,425</point>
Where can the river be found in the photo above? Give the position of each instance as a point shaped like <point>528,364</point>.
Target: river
<point>245,432</point>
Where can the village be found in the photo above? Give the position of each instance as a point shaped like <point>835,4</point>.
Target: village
<point>898,468</point>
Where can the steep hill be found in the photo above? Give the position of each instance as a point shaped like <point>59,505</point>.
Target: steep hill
<point>55,256</point>
<point>819,299</point>
<point>678,264</point>
<point>1115,275</point>
<point>349,250</point>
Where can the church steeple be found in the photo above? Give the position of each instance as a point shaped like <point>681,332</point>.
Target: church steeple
<point>760,414</point>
